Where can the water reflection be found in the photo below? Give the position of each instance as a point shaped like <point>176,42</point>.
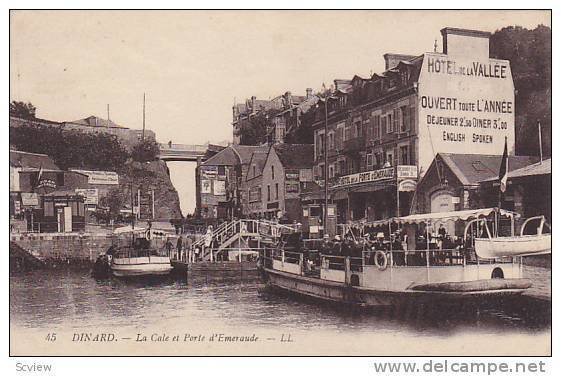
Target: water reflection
<point>49,299</point>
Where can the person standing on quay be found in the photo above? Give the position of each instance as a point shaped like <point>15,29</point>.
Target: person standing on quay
<point>189,248</point>
<point>179,247</point>
<point>208,240</point>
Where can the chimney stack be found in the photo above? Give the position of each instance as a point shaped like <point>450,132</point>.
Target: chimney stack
<point>253,109</point>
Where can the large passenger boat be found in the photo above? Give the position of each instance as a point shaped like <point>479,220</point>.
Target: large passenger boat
<point>407,261</point>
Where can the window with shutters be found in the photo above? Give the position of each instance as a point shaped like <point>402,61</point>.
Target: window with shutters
<point>60,179</point>
<point>357,131</point>
<point>404,154</point>
<point>339,137</point>
<point>369,161</point>
<point>368,126</point>
<point>405,119</point>
<point>396,119</point>
<point>342,167</point>
<point>376,126</point>
<point>49,210</point>
<point>268,193</point>
<point>389,124</point>
<point>347,132</point>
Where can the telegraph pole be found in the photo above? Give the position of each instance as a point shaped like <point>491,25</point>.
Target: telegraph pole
<point>143,115</point>
<point>326,169</point>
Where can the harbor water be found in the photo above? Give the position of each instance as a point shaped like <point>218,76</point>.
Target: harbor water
<point>71,303</point>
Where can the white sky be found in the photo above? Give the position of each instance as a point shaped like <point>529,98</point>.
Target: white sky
<point>193,64</point>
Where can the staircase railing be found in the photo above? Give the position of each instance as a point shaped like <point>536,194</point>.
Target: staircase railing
<point>261,229</point>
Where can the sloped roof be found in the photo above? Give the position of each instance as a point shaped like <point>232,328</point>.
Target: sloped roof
<point>226,157</point>
<point>246,151</point>
<point>94,121</point>
<point>536,169</point>
<point>540,168</point>
<point>471,169</point>
<point>258,158</point>
<point>32,160</point>
<point>295,155</point>
<point>234,155</point>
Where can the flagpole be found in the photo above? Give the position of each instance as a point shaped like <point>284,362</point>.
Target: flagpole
<point>540,137</point>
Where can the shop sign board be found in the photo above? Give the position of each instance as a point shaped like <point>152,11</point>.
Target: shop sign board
<point>209,172</point>
<point>366,177</point>
<point>466,105</point>
<point>100,177</point>
<point>406,172</point>
<point>292,175</point>
<point>91,195</point>
<point>30,199</point>
<point>407,185</point>
<point>46,183</point>
<point>219,188</point>
<point>292,187</point>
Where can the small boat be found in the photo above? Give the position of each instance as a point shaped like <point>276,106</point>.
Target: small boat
<point>418,267</point>
<point>523,245</point>
<point>139,260</point>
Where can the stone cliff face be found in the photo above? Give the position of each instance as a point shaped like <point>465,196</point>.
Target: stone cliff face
<point>152,176</point>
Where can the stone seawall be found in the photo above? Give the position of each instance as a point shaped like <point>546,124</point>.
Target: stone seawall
<point>72,247</point>
<point>83,247</point>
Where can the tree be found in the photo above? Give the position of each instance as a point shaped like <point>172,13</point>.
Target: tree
<point>254,130</point>
<point>529,53</point>
<point>69,148</point>
<point>22,110</point>
<point>146,151</point>
<point>113,201</point>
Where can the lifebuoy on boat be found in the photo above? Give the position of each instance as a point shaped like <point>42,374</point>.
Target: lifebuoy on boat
<point>381,260</point>
<point>148,234</point>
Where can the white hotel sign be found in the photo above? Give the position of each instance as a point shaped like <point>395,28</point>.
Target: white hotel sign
<point>466,106</point>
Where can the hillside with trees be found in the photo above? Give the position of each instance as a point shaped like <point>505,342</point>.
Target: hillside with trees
<point>529,53</point>
<point>103,151</point>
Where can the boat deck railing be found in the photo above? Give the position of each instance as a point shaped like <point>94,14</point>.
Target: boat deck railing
<point>312,263</point>
<point>131,253</point>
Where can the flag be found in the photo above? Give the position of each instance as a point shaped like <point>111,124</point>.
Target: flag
<point>503,171</point>
<point>39,174</point>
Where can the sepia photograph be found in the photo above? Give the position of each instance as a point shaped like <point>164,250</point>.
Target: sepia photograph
<point>280,183</point>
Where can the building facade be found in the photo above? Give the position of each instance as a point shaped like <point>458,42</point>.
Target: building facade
<point>287,169</point>
<point>220,181</point>
<point>459,101</point>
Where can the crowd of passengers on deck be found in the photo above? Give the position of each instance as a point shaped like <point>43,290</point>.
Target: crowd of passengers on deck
<point>371,242</point>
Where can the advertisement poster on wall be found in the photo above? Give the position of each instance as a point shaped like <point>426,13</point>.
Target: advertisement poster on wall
<point>205,186</point>
<point>219,188</point>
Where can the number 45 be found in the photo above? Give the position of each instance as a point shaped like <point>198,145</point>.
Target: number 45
<point>51,337</point>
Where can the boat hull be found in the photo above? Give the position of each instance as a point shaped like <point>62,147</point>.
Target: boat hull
<point>141,266</point>
<point>340,292</point>
<point>525,245</point>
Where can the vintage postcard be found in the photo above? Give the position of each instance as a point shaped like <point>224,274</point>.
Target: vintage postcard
<point>248,183</point>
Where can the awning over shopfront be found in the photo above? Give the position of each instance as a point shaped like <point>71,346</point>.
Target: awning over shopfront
<point>430,218</point>
<point>463,215</point>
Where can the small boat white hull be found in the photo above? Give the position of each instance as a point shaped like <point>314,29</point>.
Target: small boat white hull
<point>526,245</point>
<point>141,266</point>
